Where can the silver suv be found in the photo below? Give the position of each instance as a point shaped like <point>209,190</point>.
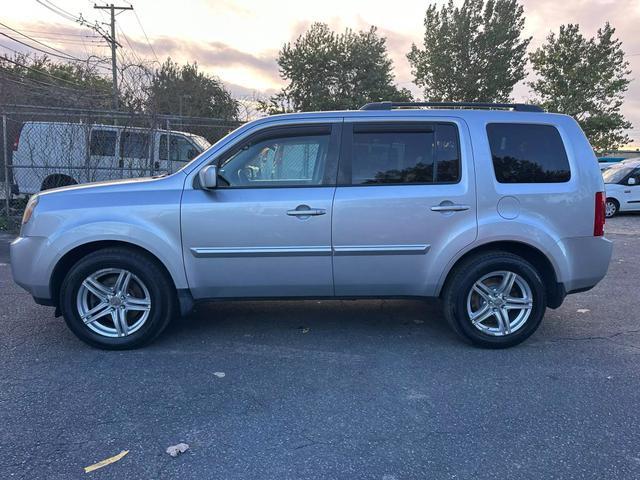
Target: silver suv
<point>498,209</point>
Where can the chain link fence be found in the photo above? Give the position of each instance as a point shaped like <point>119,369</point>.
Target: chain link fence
<point>45,148</point>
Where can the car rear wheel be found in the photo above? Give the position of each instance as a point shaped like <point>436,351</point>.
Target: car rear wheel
<point>611,208</point>
<point>55,181</point>
<point>495,300</point>
<point>117,298</point>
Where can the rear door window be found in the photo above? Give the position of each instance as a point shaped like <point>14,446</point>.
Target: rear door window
<point>528,153</point>
<point>418,153</point>
<point>103,143</point>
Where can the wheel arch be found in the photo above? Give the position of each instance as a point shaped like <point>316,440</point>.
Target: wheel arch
<point>62,180</point>
<point>534,255</point>
<point>71,257</point>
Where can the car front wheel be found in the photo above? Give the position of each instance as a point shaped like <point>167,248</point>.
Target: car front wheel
<point>117,299</point>
<point>495,300</point>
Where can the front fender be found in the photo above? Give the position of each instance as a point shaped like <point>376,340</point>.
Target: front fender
<point>166,248</point>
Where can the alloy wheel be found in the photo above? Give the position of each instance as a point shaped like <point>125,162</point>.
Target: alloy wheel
<point>499,303</point>
<point>113,302</point>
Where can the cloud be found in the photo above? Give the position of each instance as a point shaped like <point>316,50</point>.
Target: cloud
<point>211,55</point>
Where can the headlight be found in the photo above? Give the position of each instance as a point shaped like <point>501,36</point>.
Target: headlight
<point>28,211</point>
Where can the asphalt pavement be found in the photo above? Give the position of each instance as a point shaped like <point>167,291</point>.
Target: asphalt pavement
<point>330,390</point>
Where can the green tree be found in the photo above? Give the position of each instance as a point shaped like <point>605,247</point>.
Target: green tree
<point>176,89</point>
<point>587,79</point>
<point>471,53</point>
<point>330,71</point>
<point>37,80</point>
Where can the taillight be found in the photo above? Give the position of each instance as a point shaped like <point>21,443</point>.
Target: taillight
<point>598,221</point>
<point>16,139</point>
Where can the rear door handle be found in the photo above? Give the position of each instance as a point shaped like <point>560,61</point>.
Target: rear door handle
<point>306,211</point>
<point>453,207</point>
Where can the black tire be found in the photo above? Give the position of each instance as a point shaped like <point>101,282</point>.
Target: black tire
<point>612,207</point>
<point>160,287</point>
<point>55,181</point>
<point>462,280</point>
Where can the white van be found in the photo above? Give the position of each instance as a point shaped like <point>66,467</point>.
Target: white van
<point>53,154</point>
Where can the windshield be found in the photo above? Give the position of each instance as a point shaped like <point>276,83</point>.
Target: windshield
<point>616,174</point>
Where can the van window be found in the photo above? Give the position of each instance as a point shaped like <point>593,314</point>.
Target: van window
<point>528,153</point>
<point>405,154</point>
<point>180,149</point>
<point>103,143</point>
<point>134,145</point>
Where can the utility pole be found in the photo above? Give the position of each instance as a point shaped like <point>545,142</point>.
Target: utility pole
<point>114,44</point>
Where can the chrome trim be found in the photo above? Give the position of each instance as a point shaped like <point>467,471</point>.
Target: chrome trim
<point>450,208</point>
<point>307,213</point>
<point>381,250</point>
<point>219,252</point>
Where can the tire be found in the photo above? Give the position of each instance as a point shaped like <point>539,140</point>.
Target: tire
<point>489,270</point>
<point>611,208</point>
<point>55,181</point>
<point>143,308</point>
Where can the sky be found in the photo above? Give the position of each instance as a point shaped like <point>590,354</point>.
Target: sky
<point>238,40</point>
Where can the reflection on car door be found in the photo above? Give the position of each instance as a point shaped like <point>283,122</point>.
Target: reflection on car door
<point>403,195</point>
<point>266,230</point>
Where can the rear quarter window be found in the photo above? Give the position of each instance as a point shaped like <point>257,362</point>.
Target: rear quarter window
<point>528,153</point>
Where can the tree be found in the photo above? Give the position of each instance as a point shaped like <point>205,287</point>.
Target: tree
<point>184,90</point>
<point>586,79</point>
<point>471,53</point>
<point>330,71</point>
<point>37,80</point>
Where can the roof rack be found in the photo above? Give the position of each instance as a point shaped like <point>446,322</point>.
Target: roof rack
<point>517,107</point>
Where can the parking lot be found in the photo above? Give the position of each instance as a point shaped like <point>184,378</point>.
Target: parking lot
<point>330,389</point>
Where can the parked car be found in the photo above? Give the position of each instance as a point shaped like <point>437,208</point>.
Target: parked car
<point>622,183</point>
<point>493,208</point>
<point>51,154</point>
<point>605,165</point>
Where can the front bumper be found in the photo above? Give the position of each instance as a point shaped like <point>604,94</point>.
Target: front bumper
<point>28,268</point>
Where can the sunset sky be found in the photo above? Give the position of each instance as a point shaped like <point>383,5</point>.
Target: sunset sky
<point>238,40</point>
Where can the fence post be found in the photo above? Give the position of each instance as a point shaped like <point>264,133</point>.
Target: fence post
<point>7,180</point>
<point>169,165</point>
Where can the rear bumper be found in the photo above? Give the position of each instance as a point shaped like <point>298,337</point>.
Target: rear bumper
<point>587,262</point>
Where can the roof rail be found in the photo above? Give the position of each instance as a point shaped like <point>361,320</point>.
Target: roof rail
<point>517,107</point>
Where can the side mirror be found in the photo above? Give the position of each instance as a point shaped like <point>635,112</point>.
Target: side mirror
<point>631,181</point>
<point>208,177</point>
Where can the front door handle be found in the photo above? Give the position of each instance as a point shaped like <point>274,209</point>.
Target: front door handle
<point>450,207</point>
<point>306,211</point>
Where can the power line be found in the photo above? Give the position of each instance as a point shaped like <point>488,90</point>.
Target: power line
<point>145,35</point>
<point>70,57</point>
<point>37,49</point>
<point>64,34</point>
<point>55,9</point>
